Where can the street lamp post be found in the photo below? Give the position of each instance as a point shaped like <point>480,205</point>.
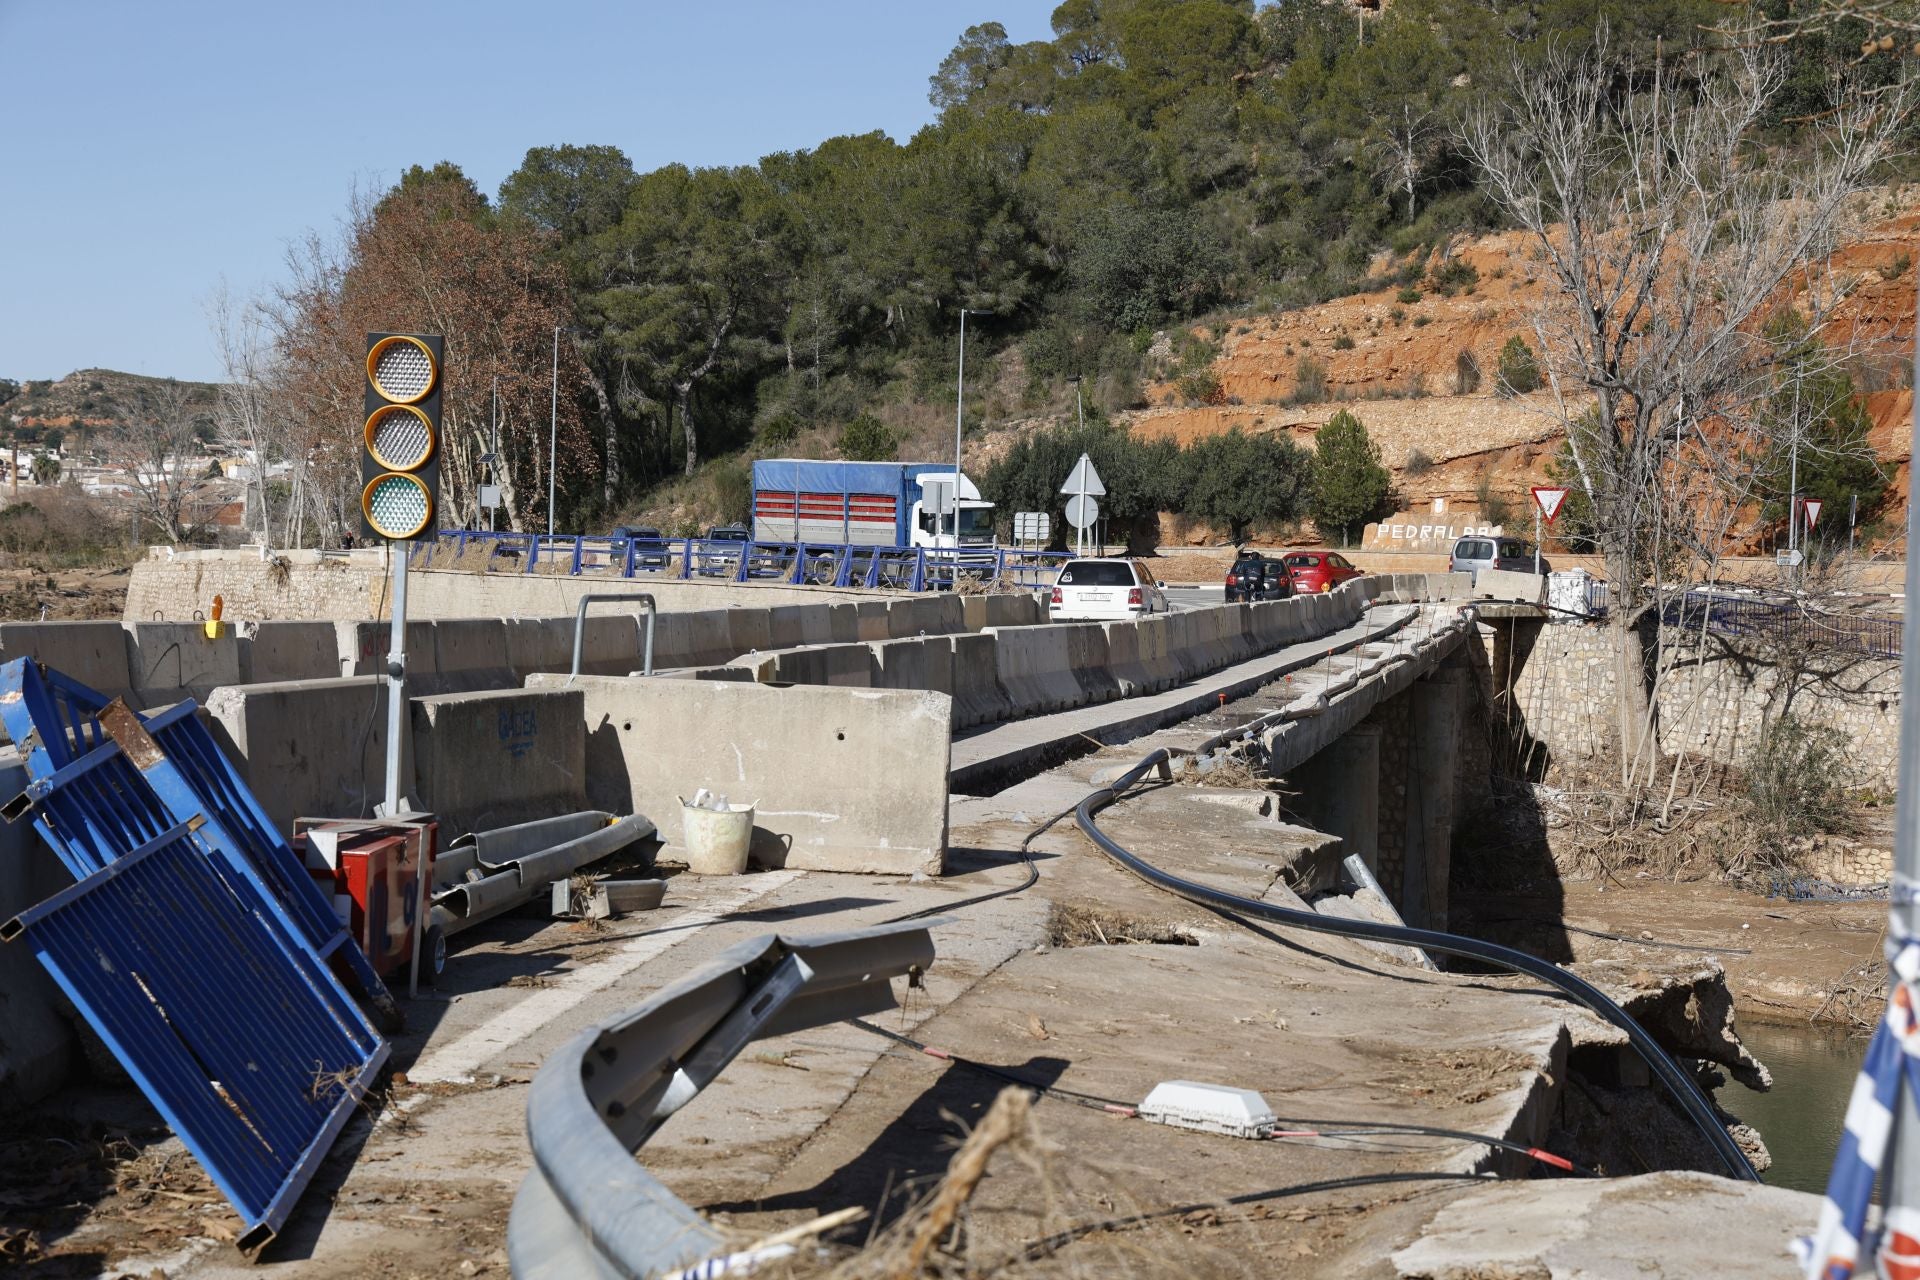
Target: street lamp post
<point>553,429</point>
<point>959,418</point>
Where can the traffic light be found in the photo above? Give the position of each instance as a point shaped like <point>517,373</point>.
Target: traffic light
<point>400,466</point>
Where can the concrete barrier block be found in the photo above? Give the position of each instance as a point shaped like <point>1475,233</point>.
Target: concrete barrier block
<point>1089,659</point>
<point>978,696</point>
<point>309,748</point>
<point>609,645</point>
<point>471,653</point>
<point>1502,584</point>
<point>846,665</point>
<point>271,651</point>
<point>363,648</point>
<point>750,630</point>
<point>927,615</point>
<point>697,638</point>
<point>1022,610</point>
<point>843,623</point>
<point>37,1043</point>
<point>496,757</point>
<point>920,663</point>
<point>973,613</point>
<point>806,756</point>
<point>1153,641</point>
<point>871,616</point>
<point>173,660</point>
<point>1123,656</point>
<point>1035,667</point>
<point>94,653</point>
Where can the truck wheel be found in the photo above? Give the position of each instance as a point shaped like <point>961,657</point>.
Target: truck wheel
<point>821,570</point>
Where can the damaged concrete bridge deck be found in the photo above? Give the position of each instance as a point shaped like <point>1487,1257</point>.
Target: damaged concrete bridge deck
<point>1088,987</point>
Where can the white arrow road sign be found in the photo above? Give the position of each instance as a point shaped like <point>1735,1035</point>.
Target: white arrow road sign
<point>1084,479</point>
<point>1549,497</point>
<point>1812,507</point>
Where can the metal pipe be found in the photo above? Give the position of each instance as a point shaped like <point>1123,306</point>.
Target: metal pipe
<point>1680,1085</point>
<point>580,626</point>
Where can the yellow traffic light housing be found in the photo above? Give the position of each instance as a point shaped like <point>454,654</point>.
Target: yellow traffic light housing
<point>400,464</point>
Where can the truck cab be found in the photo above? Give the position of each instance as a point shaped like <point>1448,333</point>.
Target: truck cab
<point>935,524</point>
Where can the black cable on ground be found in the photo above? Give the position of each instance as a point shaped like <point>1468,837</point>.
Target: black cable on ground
<point>1026,856</point>
<point>1284,1128</point>
<point>1678,1083</point>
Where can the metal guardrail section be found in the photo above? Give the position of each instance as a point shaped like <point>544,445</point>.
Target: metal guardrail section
<point>106,780</point>
<point>1785,621</point>
<point>246,1045</point>
<point>587,1209</point>
<point>821,564</point>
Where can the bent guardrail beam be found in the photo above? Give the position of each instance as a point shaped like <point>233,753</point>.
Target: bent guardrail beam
<point>587,1209</point>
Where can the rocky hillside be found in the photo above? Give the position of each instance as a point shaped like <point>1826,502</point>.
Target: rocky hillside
<point>1418,365</point>
<point>86,397</point>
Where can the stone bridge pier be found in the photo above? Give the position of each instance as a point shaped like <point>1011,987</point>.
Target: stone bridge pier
<point>1397,786</point>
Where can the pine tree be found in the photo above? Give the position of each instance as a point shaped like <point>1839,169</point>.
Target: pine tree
<point>1349,484</point>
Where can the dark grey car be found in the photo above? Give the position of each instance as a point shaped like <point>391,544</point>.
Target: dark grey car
<point>1494,551</point>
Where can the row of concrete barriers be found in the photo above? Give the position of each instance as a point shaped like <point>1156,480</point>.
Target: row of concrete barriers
<point>1002,673</point>
<point>156,663</point>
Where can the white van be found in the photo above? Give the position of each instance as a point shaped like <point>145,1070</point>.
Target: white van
<point>1105,591</point>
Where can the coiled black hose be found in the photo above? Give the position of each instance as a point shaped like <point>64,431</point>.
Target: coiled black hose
<point>1678,1083</point>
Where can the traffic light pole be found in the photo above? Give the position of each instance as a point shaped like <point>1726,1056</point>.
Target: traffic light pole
<point>396,679</point>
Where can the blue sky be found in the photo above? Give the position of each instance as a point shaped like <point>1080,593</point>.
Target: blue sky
<point>149,150</point>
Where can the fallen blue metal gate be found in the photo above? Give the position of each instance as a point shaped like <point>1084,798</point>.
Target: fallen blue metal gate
<point>106,780</point>
<point>195,942</point>
<point>245,1044</point>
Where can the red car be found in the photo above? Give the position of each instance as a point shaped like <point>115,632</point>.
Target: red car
<point>1314,571</point>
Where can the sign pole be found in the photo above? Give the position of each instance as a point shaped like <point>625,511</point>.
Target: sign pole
<point>396,675</point>
<point>1536,539</point>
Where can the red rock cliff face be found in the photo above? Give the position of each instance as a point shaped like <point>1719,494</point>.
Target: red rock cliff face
<point>1396,365</point>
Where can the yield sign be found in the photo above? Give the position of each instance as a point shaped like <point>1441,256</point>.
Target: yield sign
<point>1811,506</point>
<point>1549,498</point>
<point>1084,479</point>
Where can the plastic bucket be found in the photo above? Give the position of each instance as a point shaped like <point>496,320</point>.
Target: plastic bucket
<point>716,839</point>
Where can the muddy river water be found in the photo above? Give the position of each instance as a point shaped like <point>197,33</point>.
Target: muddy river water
<point>1813,1072</point>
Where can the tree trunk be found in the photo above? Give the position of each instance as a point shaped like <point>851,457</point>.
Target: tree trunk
<point>1631,694</point>
<point>683,398</point>
<point>610,477</point>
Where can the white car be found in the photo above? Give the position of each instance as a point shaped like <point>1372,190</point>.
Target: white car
<point>1105,591</point>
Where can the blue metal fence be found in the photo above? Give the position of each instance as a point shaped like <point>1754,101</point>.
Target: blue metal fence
<point>1785,622</point>
<point>92,798</point>
<point>194,942</point>
<point>246,1046</point>
<point>820,564</point>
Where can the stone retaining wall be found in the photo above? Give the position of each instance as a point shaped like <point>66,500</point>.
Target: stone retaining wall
<point>1714,702</point>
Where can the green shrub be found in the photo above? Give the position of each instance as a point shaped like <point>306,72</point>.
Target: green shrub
<point>1202,386</point>
<point>1519,373</point>
<point>1421,322</point>
<point>1796,783</point>
<point>1418,463</point>
<point>1454,276</point>
<point>1408,295</point>
<point>1343,343</point>
<point>867,439</point>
